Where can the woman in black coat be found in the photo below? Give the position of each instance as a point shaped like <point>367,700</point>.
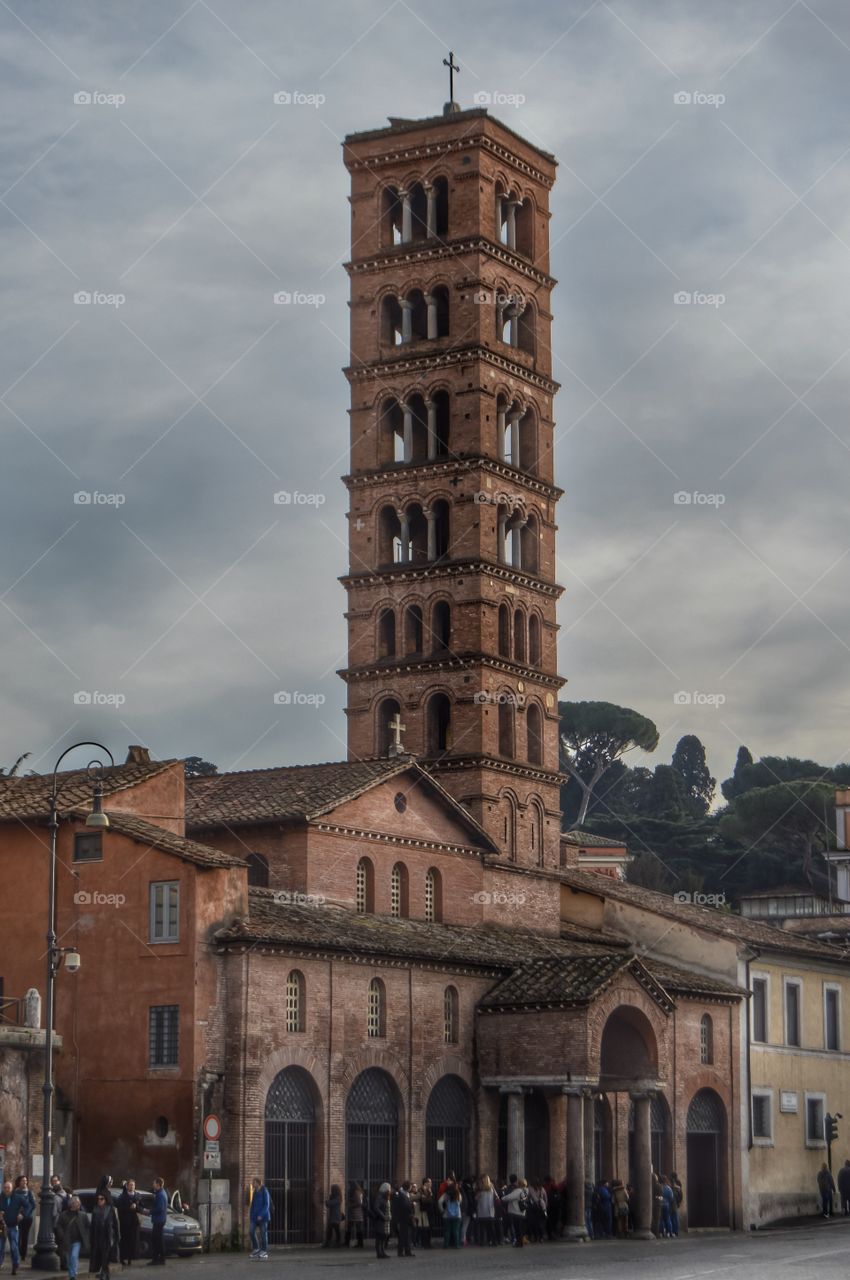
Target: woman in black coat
<point>129,1207</point>
<point>104,1236</point>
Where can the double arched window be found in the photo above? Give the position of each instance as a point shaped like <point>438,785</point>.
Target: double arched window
<point>376,1010</point>
<point>295,1001</point>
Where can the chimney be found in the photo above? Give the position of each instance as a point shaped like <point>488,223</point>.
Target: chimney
<point>138,755</point>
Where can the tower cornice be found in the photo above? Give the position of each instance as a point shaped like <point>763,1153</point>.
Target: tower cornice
<point>405,256</point>
<point>383,369</point>
<point>431,571</point>
<point>453,466</point>
<point>479,140</point>
<point>449,662</point>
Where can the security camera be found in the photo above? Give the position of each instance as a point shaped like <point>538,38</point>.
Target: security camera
<point>72,961</point>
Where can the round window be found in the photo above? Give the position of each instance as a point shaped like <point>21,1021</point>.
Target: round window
<point>400,801</point>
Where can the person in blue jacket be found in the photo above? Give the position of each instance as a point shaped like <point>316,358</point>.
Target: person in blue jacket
<point>22,1186</point>
<point>11,1213</point>
<point>261,1212</point>
<point>159,1215</point>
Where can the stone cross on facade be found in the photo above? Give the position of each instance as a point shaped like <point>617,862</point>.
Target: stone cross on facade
<point>396,729</point>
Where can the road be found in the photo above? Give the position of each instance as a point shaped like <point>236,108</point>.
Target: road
<point>817,1252</point>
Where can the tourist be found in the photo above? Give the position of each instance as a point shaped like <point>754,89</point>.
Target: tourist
<point>678,1197</point>
<point>451,1209</point>
<point>333,1204</point>
<point>11,1213</point>
<point>72,1234</point>
<point>538,1203</point>
<point>485,1211</point>
<point>355,1218</point>
<point>28,1200</point>
<point>657,1202</point>
<point>826,1189</point>
<point>516,1203</point>
<point>620,1199</point>
<point>427,1212</point>
<point>259,1217</point>
<point>404,1221</point>
<point>668,1208</point>
<point>129,1206</point>
<point>159,1216</point>
<point>381,1213</point>
<point>606,1209</point>
<point>589,1197</point>
<point>467,1209</point>
<point>104,1236</point>
<point>553,1207</point>
<point>844,1187</point>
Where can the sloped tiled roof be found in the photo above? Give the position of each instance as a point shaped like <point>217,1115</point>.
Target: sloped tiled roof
<point>555,980</point>
<point>282,794</point>
<point>740,929</point>
<point>684,982</point>
<point>28,797</point>
<point>154,837</point>
<point>588,840</point>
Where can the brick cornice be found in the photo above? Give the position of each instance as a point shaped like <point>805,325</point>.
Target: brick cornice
<point>452,466</point>
<point>406,842</point>
<point>270,946</point>
<point>385,369</point>
<point>455,764</point>
<point>430,251</point>
<point>451,662</point>
<point>453,569</point>
<point>445,146</point>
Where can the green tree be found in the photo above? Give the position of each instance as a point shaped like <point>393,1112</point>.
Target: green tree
<point>789,816</point>
<point>690,763</point>
<point>197,767</point>
<point>593,736</point>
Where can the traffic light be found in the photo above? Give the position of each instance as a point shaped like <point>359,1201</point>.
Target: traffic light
<point>830,1125</point>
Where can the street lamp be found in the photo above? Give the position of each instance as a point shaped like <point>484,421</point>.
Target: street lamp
<point>45,1257</point>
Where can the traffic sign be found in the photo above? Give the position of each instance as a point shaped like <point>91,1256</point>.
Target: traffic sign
<point>212,1128</point>
<point>212,1145</point>
<point>212,1160</point>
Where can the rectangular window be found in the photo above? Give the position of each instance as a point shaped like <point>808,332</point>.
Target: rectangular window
<point>831,1018</point>
<point>792,1012</point>
<point>163,1035</point>
<point>762,1116</point>
<point>760,1010</point>
<point>88,846</point>
<point>165,911</point>
<point>814,1120</point>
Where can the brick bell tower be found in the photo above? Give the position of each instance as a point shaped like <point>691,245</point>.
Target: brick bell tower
<point>451,582</point>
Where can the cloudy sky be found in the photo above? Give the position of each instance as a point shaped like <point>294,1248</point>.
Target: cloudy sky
<point>704,150</point>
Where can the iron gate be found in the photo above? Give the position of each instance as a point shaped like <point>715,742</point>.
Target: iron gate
<point>290,1138</point>
<point>448,1120</point>
<point>371,1132</point>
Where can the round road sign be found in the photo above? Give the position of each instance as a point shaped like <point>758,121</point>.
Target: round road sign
<point>212,1128</point>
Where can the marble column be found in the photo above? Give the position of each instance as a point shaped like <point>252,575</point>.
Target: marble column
<point>516,527</point>
<point>512,419</point>
<point>406,320</point>
<point>408,432</point>
<point>431,517</point>
<point>500,431</point>
<point>431,215</point>
<point>512,206</point>
<point>558,1136</point>
<point>431,303</point>
<point>576,1229</point>
<point>516,1132</point>
<point>431,406</point>
<point>643,1167</point>
<point>591,1173</point>
<point>406,218</point>
<point>404,523</point>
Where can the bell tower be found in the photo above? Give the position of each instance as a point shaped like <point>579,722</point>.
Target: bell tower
<point>451,582</point>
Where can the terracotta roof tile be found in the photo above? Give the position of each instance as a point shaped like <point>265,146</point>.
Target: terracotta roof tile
<point>154,837</point>
<point>587,840</point>
<point>28,797</point>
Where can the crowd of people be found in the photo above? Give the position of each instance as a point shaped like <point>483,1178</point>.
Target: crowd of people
<point>474,1211</point>
<point>108,1235</point>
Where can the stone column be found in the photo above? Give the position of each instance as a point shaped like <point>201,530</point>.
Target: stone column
<point>516,1132</point>
<point>515,310</point>
<point>431,216</point>
<point>512,418</point>
<point>406,218</point>
<point>499,203</point>
<point>500,431</point>
<point>643,1167</point>
<point>404,522</point>
<point>431,517</point>
<point>431,406</point>
<point>591,1173</point>
<point>408,432</point>
<point>431,303</point>
<point>406,320</point>
<point>558,1136</point>
<point>512,208</point>
<point>516,526</point>
<point>576,1229</point>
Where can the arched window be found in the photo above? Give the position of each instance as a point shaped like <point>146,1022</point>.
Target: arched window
<point>534,640</point>
<point>413,629</point>
<point>441,626</point>
<point>530,545</point>
<point>534,730</point>
<point>439,720</point>
<point>388,709</point>
<point>706,1040</point>
<point>507,719</point>
<point>399,891</point>
<point>433,895</point>
<point>519,635</point>
<point>526,330</point>
<point>295,1001</point>
<point>376,1011</point>
<point>392,323</point>
<point>450,1015</point>
<point>438,530</point>
<point>258,871</point>
<point>504,631</point>
<point>386,634</point>
<point>364,892</point>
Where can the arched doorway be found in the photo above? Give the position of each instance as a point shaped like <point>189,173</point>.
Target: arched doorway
<point>706,1148</point>
<point>448,1125</point>
<point>290,1121</point>
<point>659,1136</point>
<point>371,1130</point>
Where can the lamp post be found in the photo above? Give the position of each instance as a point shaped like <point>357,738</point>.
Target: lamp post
<point>45,1257</point>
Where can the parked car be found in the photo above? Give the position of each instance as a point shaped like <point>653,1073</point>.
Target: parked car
<point>182,1234</point>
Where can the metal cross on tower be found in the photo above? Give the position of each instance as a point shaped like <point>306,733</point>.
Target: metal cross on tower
<point>453,67</point>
